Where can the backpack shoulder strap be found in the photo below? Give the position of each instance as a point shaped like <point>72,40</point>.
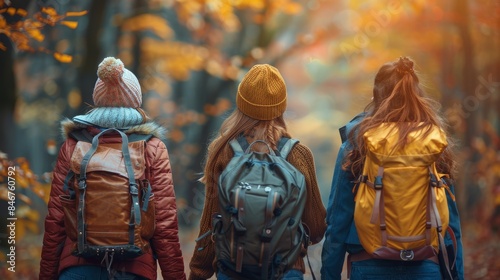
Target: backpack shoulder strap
<point>236,146</point>
<point>285,146</point>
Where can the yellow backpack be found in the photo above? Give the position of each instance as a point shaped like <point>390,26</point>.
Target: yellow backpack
<point>401,210</point>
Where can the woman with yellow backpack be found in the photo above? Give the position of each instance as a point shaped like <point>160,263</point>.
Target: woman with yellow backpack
<point>392,207</point>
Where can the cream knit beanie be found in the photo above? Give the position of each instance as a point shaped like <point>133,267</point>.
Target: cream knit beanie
<point>117,97</point>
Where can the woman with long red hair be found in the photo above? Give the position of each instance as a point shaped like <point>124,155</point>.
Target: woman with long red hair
<point>398,100</point>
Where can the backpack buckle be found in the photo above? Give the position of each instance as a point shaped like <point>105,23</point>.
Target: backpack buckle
<point>82,184</point>
<point>406,255</point>
<point>266,235</point>
<point>134,188</point>
<point>378,183</point>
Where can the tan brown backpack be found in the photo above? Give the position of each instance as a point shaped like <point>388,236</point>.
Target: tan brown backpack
<point>109,210</point>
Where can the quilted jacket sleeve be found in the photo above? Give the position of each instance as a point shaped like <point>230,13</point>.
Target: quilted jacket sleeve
<point>165,239</point>
<point>55,235</point>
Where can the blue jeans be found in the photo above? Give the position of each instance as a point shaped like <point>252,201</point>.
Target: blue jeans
<point>395,270</point>
<point>291,274</point>
<point>91,272</point>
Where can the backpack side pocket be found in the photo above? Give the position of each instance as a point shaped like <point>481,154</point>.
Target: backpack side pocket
<point>69,209</point>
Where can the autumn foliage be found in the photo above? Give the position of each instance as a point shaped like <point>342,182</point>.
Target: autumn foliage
<point>25,32</point>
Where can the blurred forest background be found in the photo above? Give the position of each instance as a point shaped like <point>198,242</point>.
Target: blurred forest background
<point>189,56</point>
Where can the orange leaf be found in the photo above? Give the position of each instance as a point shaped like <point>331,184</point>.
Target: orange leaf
<point>76,14</point>
<point>22,12</point>
<point>2,47</point>
<point>64,58</point>
<point>36,34</point>
<point>70,24</point>
<point>11,11</point>
<point>49,11</point>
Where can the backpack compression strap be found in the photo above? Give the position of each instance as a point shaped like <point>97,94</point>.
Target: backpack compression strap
<point>135,215</point>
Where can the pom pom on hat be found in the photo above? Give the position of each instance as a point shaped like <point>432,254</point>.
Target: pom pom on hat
<point>110,69</point>
<point>262,93</point>
<point>116,86</point>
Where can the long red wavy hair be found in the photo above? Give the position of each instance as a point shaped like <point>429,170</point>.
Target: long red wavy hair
<point>399,98</point>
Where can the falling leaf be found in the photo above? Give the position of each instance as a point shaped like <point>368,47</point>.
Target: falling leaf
<point>64,58</point>
<point>70,24</point>
<point>22,12</point>
<point>36,34</point>
<point>49,11</point>
<point>76,14</point>
<point>11,11</point>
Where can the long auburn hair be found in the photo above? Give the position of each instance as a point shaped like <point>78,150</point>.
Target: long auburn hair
<point>237,124</point>
<point>398,98</point>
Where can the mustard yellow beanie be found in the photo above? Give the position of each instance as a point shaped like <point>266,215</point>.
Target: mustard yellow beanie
<point>262,93</point>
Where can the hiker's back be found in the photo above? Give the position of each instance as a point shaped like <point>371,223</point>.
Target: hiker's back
<point>109,212</point>
<point>401,207</point>
<point>258,233</point>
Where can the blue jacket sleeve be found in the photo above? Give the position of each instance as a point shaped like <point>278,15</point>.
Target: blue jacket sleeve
<point>455,226</point>
<point>339,218</point>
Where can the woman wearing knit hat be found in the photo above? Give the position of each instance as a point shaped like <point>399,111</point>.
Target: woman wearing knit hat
<point>261,101</point>
<point>117,98</point>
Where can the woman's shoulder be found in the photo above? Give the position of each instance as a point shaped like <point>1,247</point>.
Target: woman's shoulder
<point>300,153</point>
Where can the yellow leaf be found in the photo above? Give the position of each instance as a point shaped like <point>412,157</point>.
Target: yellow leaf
<point>49,11</point>
<point>64,58</point>
<point>70,24</point>
<point>36,34</point>
<point>76,14</point>
<point>11,11</point>
<point>22,12</point>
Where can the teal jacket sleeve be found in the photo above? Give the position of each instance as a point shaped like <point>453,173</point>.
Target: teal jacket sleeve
<point>454,224</point>
<point>340,232</point>
<point>340,211</point>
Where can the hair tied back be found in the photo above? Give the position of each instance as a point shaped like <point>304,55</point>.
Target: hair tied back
<point>404,66</point>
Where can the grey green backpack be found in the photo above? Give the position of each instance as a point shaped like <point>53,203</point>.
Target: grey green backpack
<point>258,232</point>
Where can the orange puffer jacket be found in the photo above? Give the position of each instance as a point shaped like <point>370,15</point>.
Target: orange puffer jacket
<point>56,251</point>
